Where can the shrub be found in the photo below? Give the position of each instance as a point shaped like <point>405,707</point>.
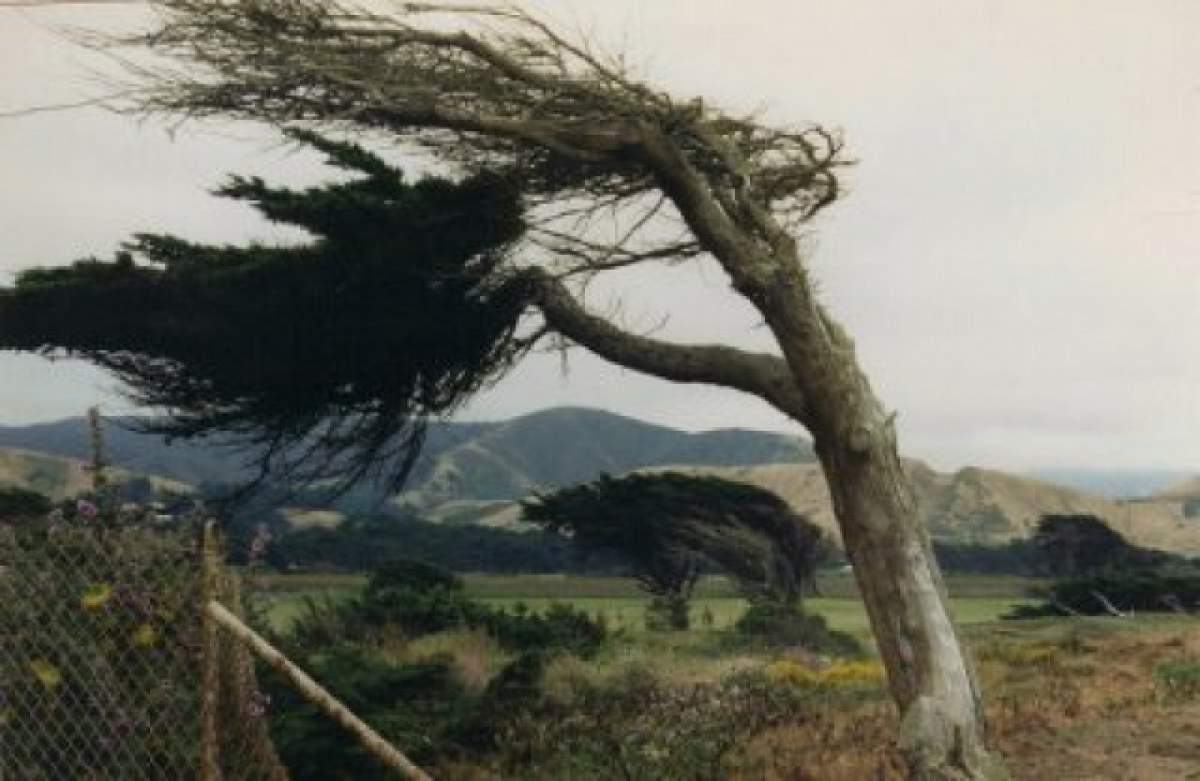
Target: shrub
<point>406,575</point>
<point>561,627</point>
<point>1178,680</point>
<point>857,674</point>
<point>776,625</point>
<point>413,706</point>
<point>636,725</point>
<point>667,613</point>
<point>1143,590</point>
<point>1020,654</point>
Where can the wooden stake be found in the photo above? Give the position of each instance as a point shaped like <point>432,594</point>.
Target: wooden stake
<point>371,740</point>
<point>210,759</point>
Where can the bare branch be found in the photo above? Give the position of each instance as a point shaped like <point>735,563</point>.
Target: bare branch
<point>761,374</point>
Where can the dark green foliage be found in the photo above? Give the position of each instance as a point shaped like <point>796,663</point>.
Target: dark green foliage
<point>1084,545</point>
<point>420,707</point>
<point>515,689</point>
<point>771,624</point>
<point>668,612</point>
<point>20,504</point>
<point>403,575</point>
<point>1016,557</point>
<point>638,726</point>
<point>327,357</point>
<point>669,526</point>
<point>560,628</point>
<point>411,705</point>
<point>1139,591</point>
<point>364,544</point>
<point>414,599</point>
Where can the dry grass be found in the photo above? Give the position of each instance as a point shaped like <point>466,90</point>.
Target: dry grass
<point>475,657</point>
<point>1074,701</point>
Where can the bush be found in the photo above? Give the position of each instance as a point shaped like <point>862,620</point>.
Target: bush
<point>841,675</point>
<point>666,613</point>
<point>1145,591</point>
<point>774,625</point>
<point>639,726</point>
<point>1178,680</point>
<point>405,575</point>
<point>414,706</point>
<point>561,628</point>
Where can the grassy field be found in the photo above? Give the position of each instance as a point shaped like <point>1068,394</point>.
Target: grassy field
<point>1071,698</point>
<point>975,599</point>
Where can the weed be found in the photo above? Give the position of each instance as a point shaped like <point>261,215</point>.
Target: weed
<point>1178,680</point>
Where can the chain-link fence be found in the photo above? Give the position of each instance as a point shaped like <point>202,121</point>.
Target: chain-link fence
<point>107,667</point>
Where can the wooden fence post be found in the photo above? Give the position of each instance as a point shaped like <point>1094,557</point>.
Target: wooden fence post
<point>384,751</point>
<point>210,560</point>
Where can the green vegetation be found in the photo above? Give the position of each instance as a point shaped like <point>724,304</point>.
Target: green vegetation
<point>671,526</point>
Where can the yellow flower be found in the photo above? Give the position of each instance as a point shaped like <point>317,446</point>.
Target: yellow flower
<point>95,596</point>
<point>145,636</point>
<point>841,674</point>
<point>48,674</point>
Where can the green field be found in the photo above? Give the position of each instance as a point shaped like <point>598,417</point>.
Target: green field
<point>975,599</point>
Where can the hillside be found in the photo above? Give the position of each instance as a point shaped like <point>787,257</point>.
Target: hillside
<point>1182,490</point>
<point>568,445</point>
<point>60,478</point>
<point>988,506</point>
<point>475,472</point>
<point>461,462</point>
<point>971,505</point>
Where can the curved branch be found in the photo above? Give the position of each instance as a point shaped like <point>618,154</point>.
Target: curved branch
<point>760,374</point>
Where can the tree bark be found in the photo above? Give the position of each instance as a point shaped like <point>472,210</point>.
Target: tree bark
<point>930,674</point>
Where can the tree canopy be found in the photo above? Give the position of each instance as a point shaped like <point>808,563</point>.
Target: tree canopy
<point>669,525</point>
<point>326,357</point>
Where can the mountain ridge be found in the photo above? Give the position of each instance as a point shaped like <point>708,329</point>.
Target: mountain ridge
<point>477,472</point>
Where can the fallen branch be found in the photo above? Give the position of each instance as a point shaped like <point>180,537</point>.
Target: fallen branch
<point>385,752</point>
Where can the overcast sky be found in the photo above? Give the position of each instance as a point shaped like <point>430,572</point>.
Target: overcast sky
<point>1017,257</point>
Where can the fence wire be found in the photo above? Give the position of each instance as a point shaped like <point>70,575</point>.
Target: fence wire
<point>101,657</point>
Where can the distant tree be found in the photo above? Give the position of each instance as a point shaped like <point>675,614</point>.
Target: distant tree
<point>22,504</point>
<point>1075,545</point>
<point>670,526</point>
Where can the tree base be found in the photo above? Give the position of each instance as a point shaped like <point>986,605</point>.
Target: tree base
<point>938,747</point>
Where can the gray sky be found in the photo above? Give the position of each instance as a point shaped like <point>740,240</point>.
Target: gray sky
<point>1017,258</point>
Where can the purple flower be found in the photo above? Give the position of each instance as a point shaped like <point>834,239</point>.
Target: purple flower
<point>86,510</point>
<point>257,707</point>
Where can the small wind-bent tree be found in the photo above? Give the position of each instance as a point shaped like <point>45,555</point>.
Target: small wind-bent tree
<point>668,525</point>
<point>627,517</point>
<point>496,90</point>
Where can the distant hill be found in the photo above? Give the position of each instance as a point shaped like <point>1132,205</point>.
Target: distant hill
<point>1114,483</point>
<point>987,506</point>
<point>61,478</point>
<point>569,445</point>
<point>460,461</point>
<point>971,505</point>
<point>473,473</point>
<point>1182,490</point>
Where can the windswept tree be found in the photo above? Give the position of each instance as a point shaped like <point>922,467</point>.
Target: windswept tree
<point>670,526</point>
<point>497,92</point>
<point>323,358</point>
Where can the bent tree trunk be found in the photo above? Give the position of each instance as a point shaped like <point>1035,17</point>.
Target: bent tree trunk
<point>930,675</point>
<point>932,678</point>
